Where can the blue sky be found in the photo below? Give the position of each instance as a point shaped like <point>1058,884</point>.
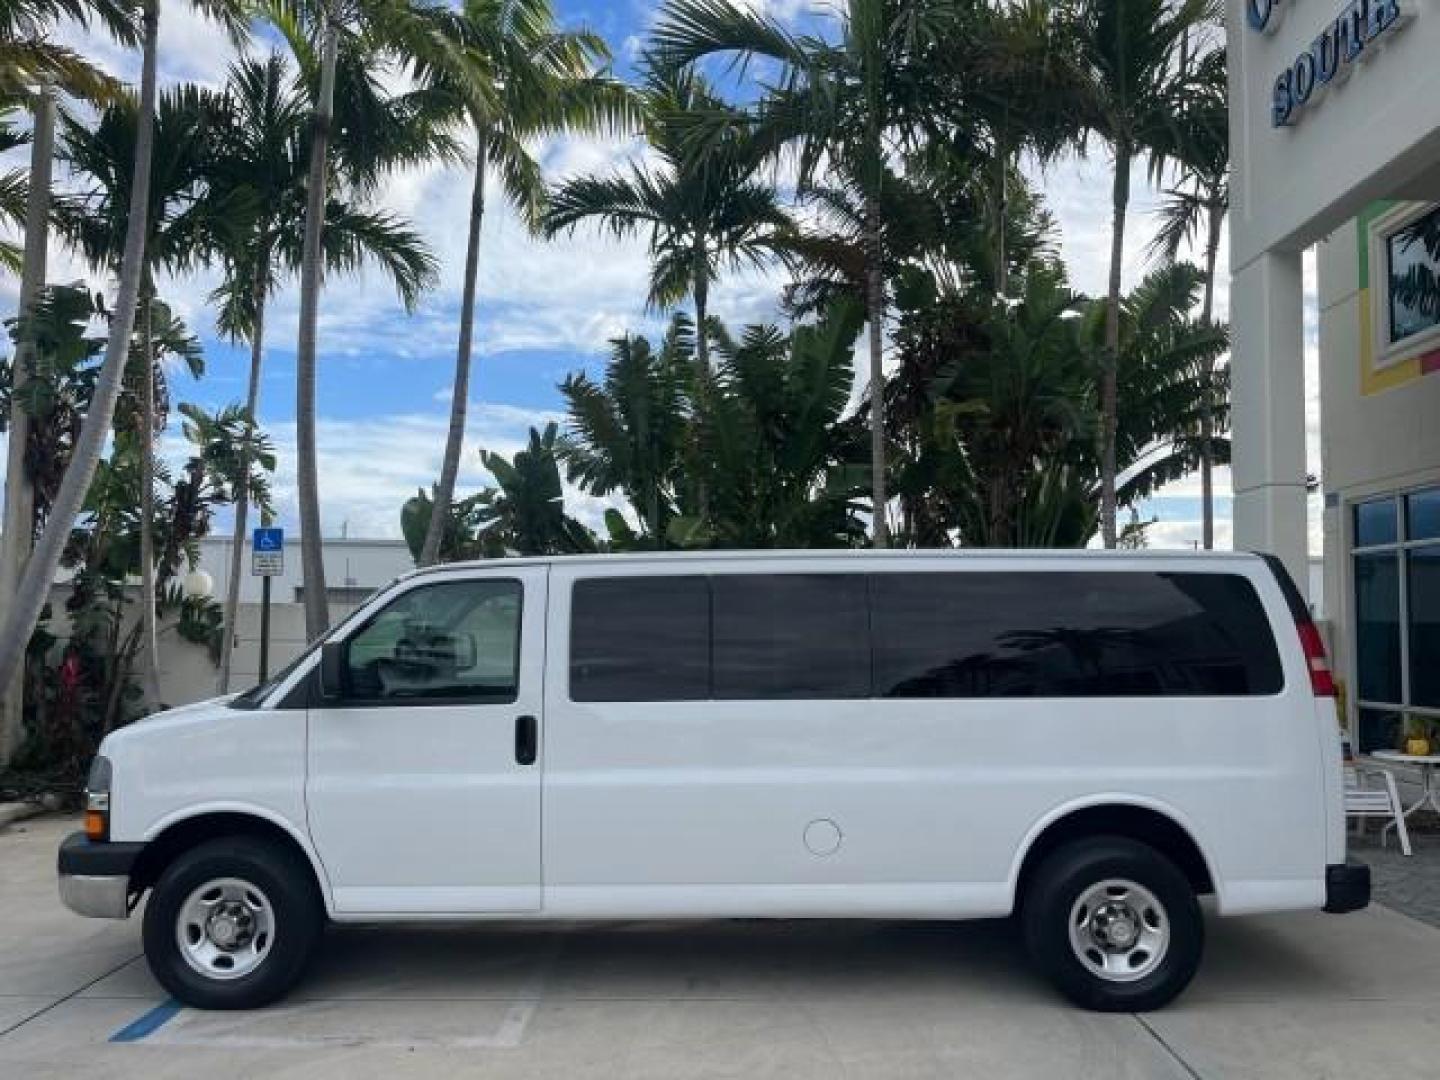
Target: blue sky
<point>545,308</point>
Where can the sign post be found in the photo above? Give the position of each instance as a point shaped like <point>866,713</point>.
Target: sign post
<point>267,560</point>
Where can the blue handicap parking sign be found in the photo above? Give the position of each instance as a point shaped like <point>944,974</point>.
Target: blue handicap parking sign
<point>269,540</point>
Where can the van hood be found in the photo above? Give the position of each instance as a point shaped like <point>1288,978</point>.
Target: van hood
<point>194,709</point>
<point>200,712</point>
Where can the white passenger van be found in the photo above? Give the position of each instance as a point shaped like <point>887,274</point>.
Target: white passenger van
<point>1089,741</point>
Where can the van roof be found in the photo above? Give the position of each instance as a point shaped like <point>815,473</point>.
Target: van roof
<point>849,555</point>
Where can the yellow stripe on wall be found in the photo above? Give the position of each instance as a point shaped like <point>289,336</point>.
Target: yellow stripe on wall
<point>1372,381</point>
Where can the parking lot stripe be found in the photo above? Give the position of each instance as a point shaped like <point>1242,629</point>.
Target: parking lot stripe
<point>150,1022</point>
<point>67,997</point>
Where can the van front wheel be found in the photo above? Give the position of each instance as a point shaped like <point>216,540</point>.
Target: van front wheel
<point>1114,924</point>
<point>231,923</point>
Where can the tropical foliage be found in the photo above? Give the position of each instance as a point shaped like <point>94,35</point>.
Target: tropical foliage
<point>873,162</point>
<point>83,685</point>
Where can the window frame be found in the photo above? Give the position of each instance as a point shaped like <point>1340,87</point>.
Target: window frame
<point>1401,547</point>
<point>347,701</point>
<point>1388,352</point>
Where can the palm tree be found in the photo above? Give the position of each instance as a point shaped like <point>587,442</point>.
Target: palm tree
<point>844,105</point>
<point>29,56</point>
<point>703,212</point>
<point>540,81</point>
<point>96,221</point>
<point>379,37</point>
<point>1129,94</point>
<point>40,570</point>
<point>14,193</point>
<point>32,68</point>
<point>1165,396</point>
<point>1015,82</point>
<point>1199,202</point>
<point>256,185</point>
<point>237,457</point>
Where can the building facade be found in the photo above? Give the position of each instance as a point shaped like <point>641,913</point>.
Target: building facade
<point>1380,400</point>
<point>1335,146</point>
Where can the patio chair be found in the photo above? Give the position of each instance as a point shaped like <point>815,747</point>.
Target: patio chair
<point>1371,792</point>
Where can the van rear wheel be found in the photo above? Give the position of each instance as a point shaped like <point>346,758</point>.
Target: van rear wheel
<point>232,923</point>
<point>1114,924</point>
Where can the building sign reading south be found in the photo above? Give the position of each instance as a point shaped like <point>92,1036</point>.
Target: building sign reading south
<point>1344,42</point>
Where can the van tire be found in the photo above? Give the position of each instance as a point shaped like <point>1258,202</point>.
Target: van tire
<point>261,897</point>
<point>1083,890</point>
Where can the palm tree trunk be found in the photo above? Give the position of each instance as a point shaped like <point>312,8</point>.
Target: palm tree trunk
<point>145,430</point>
<point>1109,389</point>
<point>312,563</point>
<point>702,316</point>
<point>1207,407</point>
<point>460,393</point>
<point>19,527</point>
<point>34,587</point>
<point>242,496</point>
<point>701,290</point>
<point>1002,257</point>
<point>875,314</point>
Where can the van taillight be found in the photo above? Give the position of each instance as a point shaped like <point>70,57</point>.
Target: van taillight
<point>1321,679</point>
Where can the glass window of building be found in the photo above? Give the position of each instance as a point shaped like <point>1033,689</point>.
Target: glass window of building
<point>1413,254</point>
<point>1396,564</point>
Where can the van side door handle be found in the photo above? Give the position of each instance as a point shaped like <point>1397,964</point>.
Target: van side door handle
<point>527,739</point>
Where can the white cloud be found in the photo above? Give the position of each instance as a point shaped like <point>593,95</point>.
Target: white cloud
<point>369,467</point>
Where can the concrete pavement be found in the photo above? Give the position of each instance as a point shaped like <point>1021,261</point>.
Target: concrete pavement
<point>1299,996</point>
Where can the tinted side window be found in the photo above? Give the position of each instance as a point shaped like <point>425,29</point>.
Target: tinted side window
<point>1064,634</point>
<point>788,636</point>
<point>640,639</point>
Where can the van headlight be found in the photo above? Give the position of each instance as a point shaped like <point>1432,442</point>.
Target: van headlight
<point>97,799</point>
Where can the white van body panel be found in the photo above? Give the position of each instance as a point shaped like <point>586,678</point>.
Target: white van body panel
<point>936,800</point>
<point>420,808</point>
<point>919,808</point>
<point>208,758</point>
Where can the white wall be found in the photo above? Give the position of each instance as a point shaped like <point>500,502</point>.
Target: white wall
<point>362,564</point>
<point>1372,444</point>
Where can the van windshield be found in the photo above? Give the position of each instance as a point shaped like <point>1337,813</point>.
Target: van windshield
<point>252,698</point>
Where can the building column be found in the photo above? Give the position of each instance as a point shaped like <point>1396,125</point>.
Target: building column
<point>1268,411</point>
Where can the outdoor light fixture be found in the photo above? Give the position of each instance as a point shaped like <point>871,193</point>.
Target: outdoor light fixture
<point>198,585</point>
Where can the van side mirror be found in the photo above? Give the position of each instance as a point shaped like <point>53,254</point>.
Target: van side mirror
<point>333,657</point>
<point>466,654</point>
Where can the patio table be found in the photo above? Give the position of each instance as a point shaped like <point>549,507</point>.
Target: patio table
<point>1428,765</point>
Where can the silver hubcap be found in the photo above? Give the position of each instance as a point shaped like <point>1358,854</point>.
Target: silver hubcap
<point>225,928</point>
<point>1119,930</point>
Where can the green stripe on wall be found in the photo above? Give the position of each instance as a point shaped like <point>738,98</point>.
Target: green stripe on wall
<point>1362,225</point>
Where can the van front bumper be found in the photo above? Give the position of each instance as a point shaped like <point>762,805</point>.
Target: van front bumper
<point>1347,887</point>
<point>95,876</point>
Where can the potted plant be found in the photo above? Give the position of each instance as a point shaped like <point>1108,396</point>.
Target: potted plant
<point>1418,740</point>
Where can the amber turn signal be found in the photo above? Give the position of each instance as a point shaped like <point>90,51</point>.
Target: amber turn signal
<point>94,824</point>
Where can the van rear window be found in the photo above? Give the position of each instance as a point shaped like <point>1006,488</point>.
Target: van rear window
<point>972,634</point>
<point>1071,634</point>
